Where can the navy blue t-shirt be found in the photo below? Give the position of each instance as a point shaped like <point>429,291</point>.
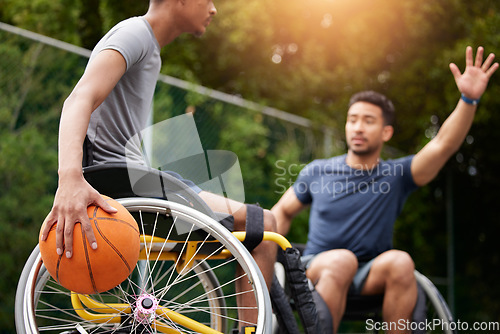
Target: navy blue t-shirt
<point>352,208</point>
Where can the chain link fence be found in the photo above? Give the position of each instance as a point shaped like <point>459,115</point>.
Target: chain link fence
<point>37,73</point>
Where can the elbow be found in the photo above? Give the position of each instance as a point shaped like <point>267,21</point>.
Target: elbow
<point>67,103</point>
<point>73,99</point>
<point>282,224</point>
<point>83,98</point>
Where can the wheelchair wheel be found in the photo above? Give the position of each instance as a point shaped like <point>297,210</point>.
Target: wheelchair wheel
<point>437,312</point>
<point>184,282</point>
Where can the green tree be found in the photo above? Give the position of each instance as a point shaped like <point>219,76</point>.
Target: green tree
<point>305,57</point>
<point>33,87</point>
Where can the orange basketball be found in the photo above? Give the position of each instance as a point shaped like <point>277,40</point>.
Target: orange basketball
<point>93,271</point>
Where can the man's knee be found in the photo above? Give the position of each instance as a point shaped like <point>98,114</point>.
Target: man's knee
<point>339,257</point>
<point>269,222</point>
<point>338,265</point>
<point>267,249</point>
<point>401,266</point>
<point>240,220</point>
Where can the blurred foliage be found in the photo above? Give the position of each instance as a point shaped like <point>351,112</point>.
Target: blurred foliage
<point>304,57</point>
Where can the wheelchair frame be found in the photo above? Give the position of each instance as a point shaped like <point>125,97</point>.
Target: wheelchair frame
<point>117,311</point>
<point>186,269</point>
<point>181,282</point>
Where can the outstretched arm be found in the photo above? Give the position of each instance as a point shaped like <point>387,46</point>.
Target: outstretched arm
<point>471,84</point>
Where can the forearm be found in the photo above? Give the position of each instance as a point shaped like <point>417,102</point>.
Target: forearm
<point>283,222</point>
<point>452,133</point>
<point>73,126</point>
<point>285,210</point>
<point>429,161</point>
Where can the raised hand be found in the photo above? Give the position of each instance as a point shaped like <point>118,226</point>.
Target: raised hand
<point>472,83</point>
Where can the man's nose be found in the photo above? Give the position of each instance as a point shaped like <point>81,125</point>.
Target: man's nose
<point>213,10</point>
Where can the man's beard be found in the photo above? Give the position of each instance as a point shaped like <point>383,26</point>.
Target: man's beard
<point>369,150</point>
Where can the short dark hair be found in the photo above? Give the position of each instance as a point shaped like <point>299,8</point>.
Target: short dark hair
<point>380,100</point>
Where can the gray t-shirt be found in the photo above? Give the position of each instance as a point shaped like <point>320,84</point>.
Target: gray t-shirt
<point>125,111</point>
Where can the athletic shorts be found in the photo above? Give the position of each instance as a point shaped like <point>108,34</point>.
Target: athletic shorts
<point>359,279</point>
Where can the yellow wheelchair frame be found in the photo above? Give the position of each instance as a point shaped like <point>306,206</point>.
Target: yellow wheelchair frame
<point>95,311</point>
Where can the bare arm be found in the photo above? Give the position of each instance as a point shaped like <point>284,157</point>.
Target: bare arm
<point>472,83</point>
<point>286,209</point>
<point>74,194</point>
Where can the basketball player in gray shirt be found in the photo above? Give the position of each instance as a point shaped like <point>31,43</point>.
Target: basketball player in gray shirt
<point>111,103</point>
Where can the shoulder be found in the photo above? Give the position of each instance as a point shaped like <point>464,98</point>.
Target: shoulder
<point>133,38</point>
<point>401,169</point>
<point>325,165</point>
<point>134,25</point>
<point>133,31</point>
<point>404,161</point>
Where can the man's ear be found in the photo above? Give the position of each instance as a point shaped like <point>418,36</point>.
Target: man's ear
<point>387,132</point>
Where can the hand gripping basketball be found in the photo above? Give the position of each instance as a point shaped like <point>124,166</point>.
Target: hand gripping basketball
<point>94,271</point>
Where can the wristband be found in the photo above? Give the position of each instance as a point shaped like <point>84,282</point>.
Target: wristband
<point>470,101</point>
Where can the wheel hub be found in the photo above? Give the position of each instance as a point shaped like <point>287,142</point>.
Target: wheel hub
<point>145,308</point>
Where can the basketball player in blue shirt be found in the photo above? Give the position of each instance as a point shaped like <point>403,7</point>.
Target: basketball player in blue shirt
<point>355,198</point>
